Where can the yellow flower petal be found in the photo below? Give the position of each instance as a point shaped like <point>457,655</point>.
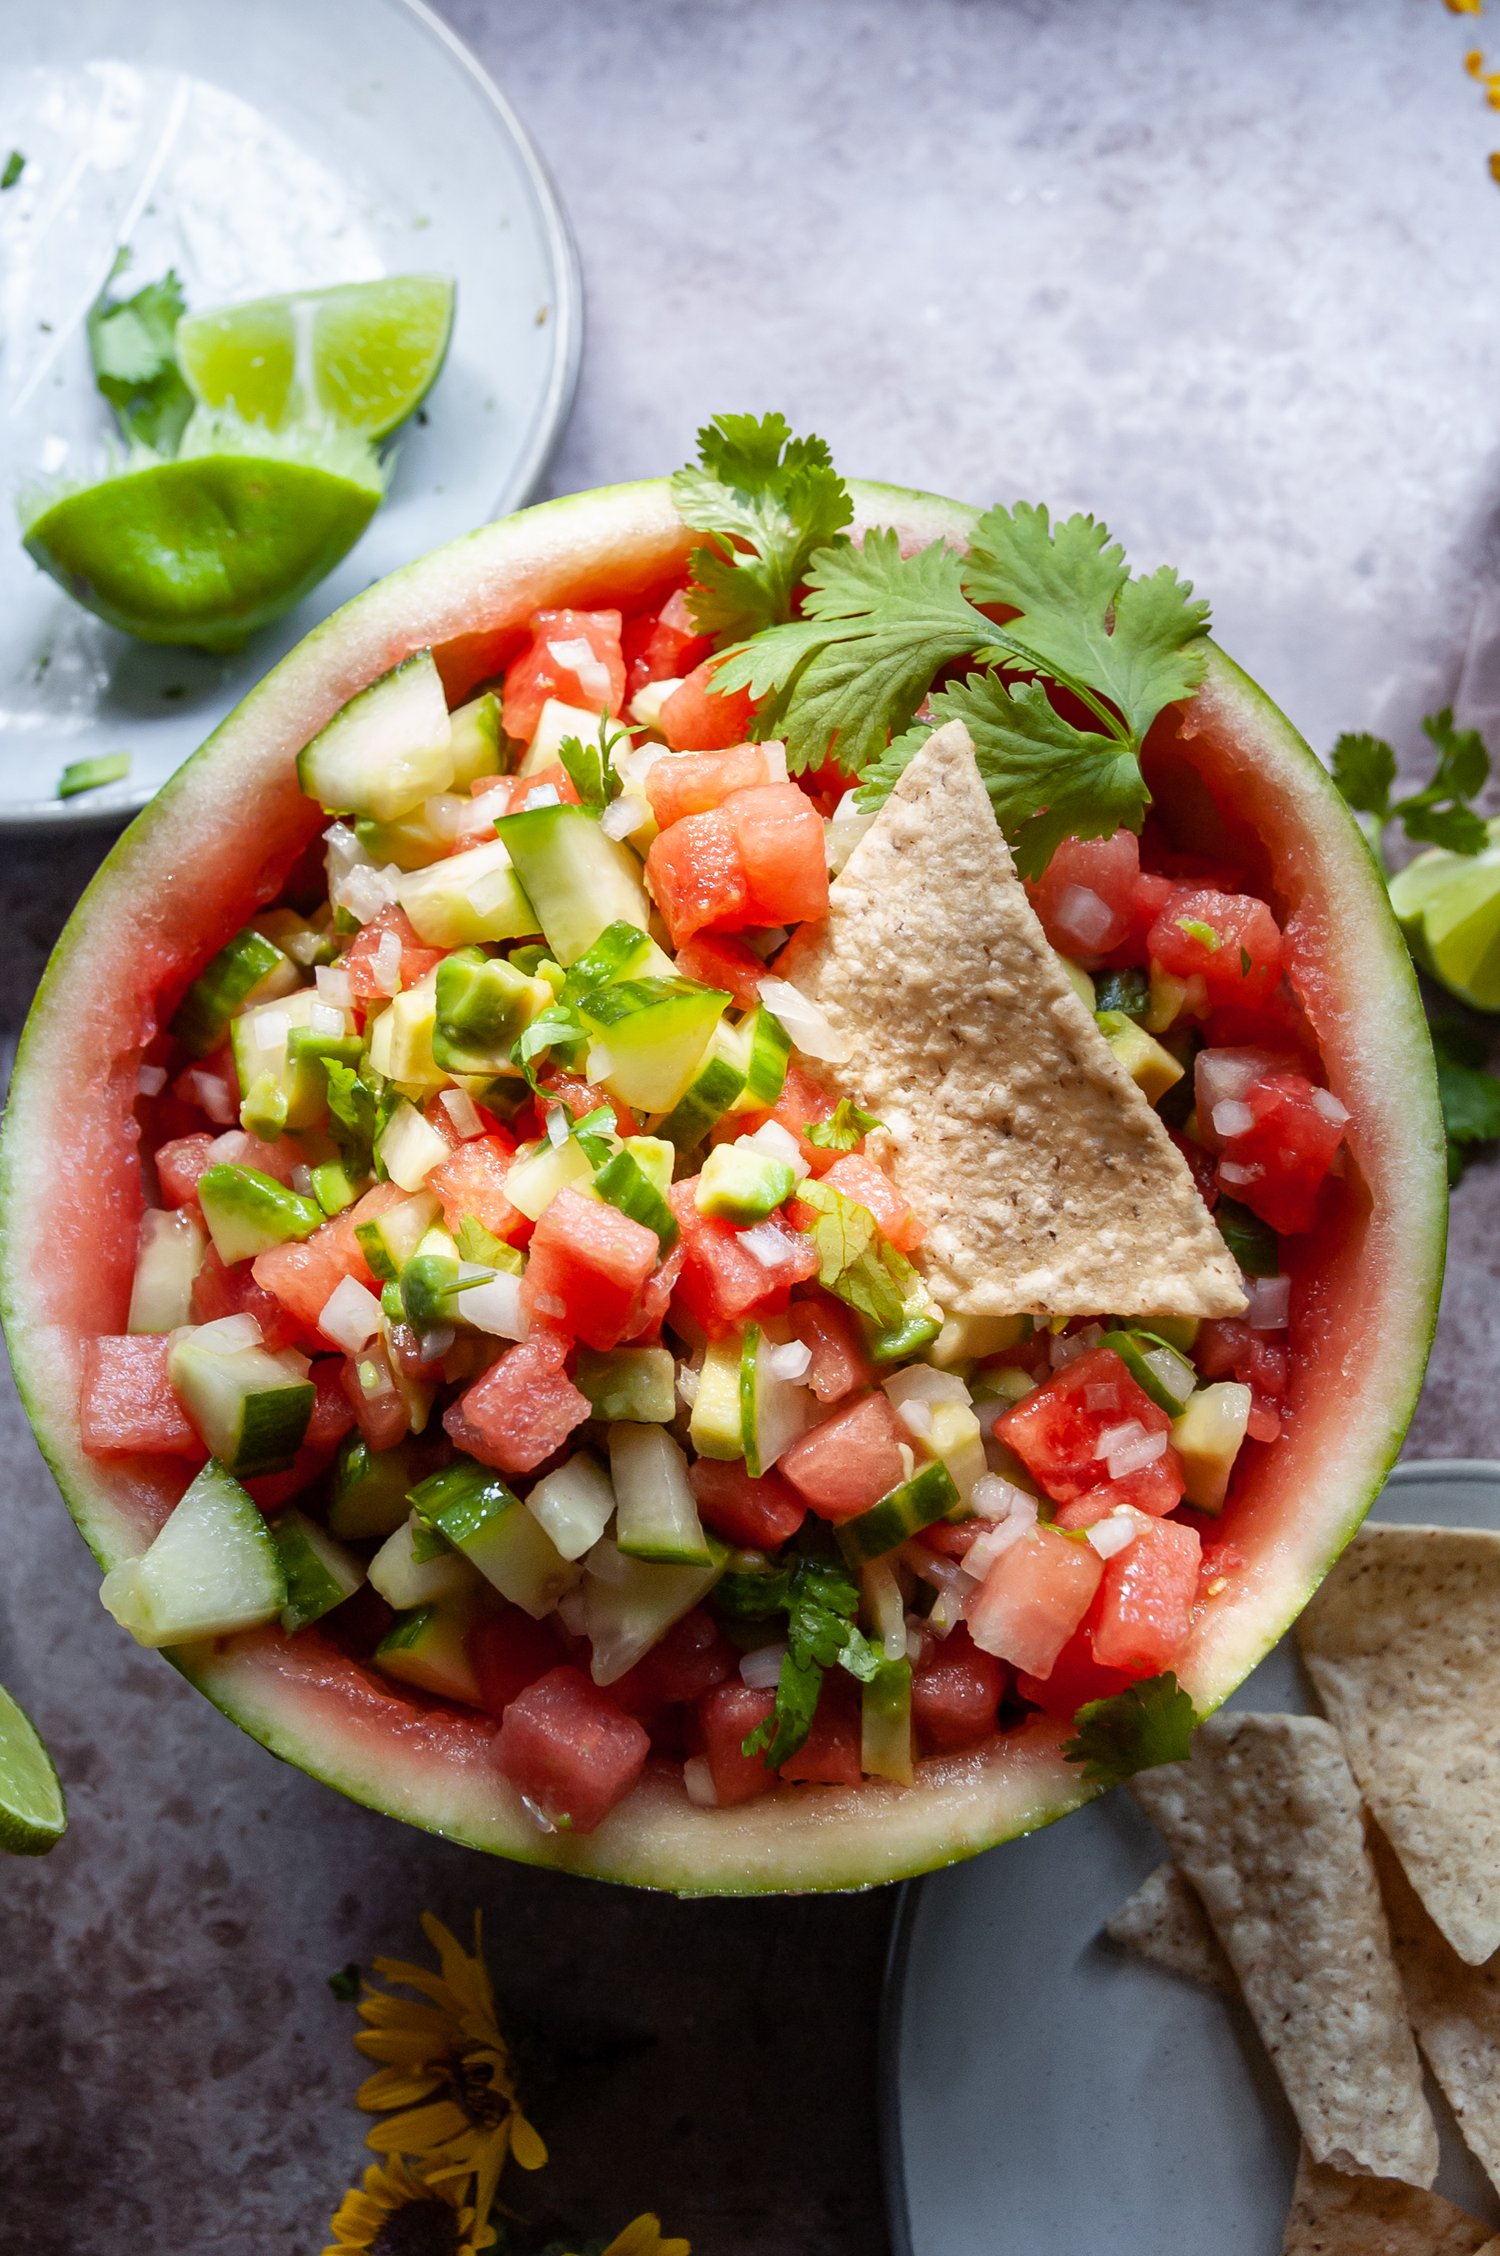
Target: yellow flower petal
<point>525,2143</point>
<point>419,2130</point>
<point>419,1978</point>
<point>394,2087</point>
<point>401,2049</point>
<point>382,2012</point>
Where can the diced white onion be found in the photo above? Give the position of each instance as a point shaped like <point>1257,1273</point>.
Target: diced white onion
<point>210,1092</point>
<point>761,1668</point>
<point>271,1029</point>
<point>494,1305</point>
<point>322,1016</point>
<point>1101,1395</point>
<point>844,830</point>
<point>151,1080</point>
<point>932,1566</point>
<point>577,655</point>
<point>335,986</point>
<point>698,1783</point>
<point>646,705</point>
<point>446,815</point>
<point>537,1814</point>
<point>1114,1534</point>
<point>916,1416</point>
<point>809,1026</point>
<point>688,1382</point>
<point>1327,1103</point>
<point>1065,1347</point>
<point>302,1180</point>
<point>600,1063</point>
<point>768,1244</point>
<point>227,1335</point>
<point>434,1345</point>
<point>1134,1455</point>
<point>1270,1300</point>
<point>385,964</point>
<point>557,1125</point>
<point>624,816</point>
<point>463,1112</point>
<point>993,1498</point>
<point>908,1460</point>
<point>791,1361</point>
<point>1084,917</point>
<point>572,1610</point>
<point>920,1382</point>
<point>365,891</point>
<point>996,1540</point>
<point>478,819</point>
<point>541,795</point>
<point>350,1316</point>
<point>1231,1117</point>
<point>1232,1172</point>
<point>778,1143</point>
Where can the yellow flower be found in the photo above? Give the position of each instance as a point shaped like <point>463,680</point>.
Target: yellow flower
<point>445,2082</point>
<point>397,2213</point>
<point>644,2237</point>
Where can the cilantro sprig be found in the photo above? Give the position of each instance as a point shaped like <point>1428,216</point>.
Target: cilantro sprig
<point>131,341</point>
<point>590,769</point>
<point>1147,1724</point>
<point>767,501</point>
<point>1468,1093</point>
<point>820,1600</point>
<point>1439,814</point>
<point>845,1130</point>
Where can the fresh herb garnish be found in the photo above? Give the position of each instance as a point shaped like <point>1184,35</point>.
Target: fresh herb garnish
<point>557,1028</point>
<point>345,1983</point>
<point>1364,768</point>
<point>1253,1243</point>
<point>591,1131</point>
<point>1128,992</point>
<point>848,1127</point>
<point>477,1244</point>
<point>92,775</point>
<point>854,1261</point>
<point>590,769</point>
<point>135,367</point>
<point>1469,1095</point>
<point>820,1600</point>
<point>353,1115</point>
<point>15,165</point>
<point>1147,1724</point>
<point>767,501</point>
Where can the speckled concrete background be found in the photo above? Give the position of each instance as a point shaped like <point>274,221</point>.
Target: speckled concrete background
<point>1225,274</point>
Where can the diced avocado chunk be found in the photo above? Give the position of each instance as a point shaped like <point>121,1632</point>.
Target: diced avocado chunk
<point>650,1037</point>
<point>402,1037</point>
<point>320,1573</point>
<point>278,1050</point>
<point>1167,1377</point>
<point>715,1428</point>
<point>247,1213</point>
<point>169,1254</point>
<point>1152,1068</point>
<point>212,1569</point>
<point>885,1741</point>
<point>1126,991</point>
<point>639,1383</point>
<point>579,880</point>
<point>250,1406</point>
<point>482,1005</point>
<point>774,1411</point>
<point>656,1514</point>
<point>623,1182</point>
<point>404,1580</point>
<point>387,750</point>
<point>1207,1438</point>
<point>334,1187</point>
<point>430,1650</point>
<point>929,1495</point>
<point>629,1604</point>
<point>473,1509</point>
<point>476,895</point>
<point>738,1183</point>
<point>250,969</point>
<point>956,1439</point>
<point>574,1504</point>
<point>370,1489</point>
<point>968,1339</point>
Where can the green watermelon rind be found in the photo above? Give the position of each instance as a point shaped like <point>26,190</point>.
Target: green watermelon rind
<point>434,1771</point>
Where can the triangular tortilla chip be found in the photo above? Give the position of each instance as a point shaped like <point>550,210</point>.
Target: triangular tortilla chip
<point>1333,2215</point>
<point>1265,1820</point>
<point>1403,1645</point>
<point>1047,1183</point>
<point>1165,1922</point>
<point>1455,2010</point>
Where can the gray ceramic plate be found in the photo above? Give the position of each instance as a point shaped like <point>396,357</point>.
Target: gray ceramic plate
<point>255,145</point>
<point>1043,2092</point>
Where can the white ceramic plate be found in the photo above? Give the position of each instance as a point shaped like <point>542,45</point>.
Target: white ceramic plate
<point>257,146</point>
<point>1045,2093</point>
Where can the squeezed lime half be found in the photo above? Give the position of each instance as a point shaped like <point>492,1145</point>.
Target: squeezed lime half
<point>362,354</point>
<point>33,1814</point>
<point>1448,906</point>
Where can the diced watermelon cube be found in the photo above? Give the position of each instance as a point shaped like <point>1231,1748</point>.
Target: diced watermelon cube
<point>127,1402</point>
<point>570,1750</point>
<point>303,1275</point>
<point>1146,1599</point>
<point>727,1716</point>
<point>473,1182</point>
<point>755,1515</point>
<point>691,783</point>
<point>695,719</point>
<point>829,1755</point>
<point>662,645</point>
<point>358,960</point>
<point>572,655</point>
<point>332,1416</point>
<point>222,1290</point>
<point>688,1661</point>
<point>378,1404</point>
<point>716,960</point>
<point>179,1166</point>
<point>850,1461</point>
<point>1155,1488</point>
<point>801,1103</point>
<point>1033,1598</point>
<point>523,1408</point>
<point>1075,1677</point>
<point>723,1284</point>
<point>1229,940</point>
<point>509,1651</point>
<point>870,1187</point>
<point>697,875</point>
<point>587,1267</point>
<point>1276,1164</point>
<point>1086,896</point>
<point>839,1362</point>
<point>779,834</point>
<point>1058,1429</point>
<point>956,1694</point>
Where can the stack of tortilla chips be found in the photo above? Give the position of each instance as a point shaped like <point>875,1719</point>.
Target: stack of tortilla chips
<point>1342,1877</point>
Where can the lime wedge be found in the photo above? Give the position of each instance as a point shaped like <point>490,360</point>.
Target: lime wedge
<point>33,1814</point>
<point>206,549</point>
<point>364,354</point>
<point>1448,906</point>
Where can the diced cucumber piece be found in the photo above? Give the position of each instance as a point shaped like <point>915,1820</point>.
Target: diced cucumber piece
<point>558,720</point>
<point>370,1488</point>
<point>389,1240</point>
<point>212,1569</point>
<point>404,1580</point>
<point>1253,1243</point>
<point>1158,1369</point>
<point>535,1180</point>
<point>429,1649</point>
<point>475,739</point>
<point>250,1406</point>
<point>389,748</point>
<point>320,1574</point>
<point>716,1428</point>
<point>578,880</point>
<point>409,1147</point>
<point>622,951</point>
<point>774,1412</point>
<point>307,941</point>
<point>473,1509</point>
<point>410,842</point>
<point>247,1213</point>
<point>885,1747</point>
<point>639,1383</point>
<point>623,1182</point>
<point>653,1034</point>
<point>929,1495</point>
<point>574,1504</point>
<point>740,1184</point>
<point>764,1049</point>
<point>1207,1438</point>
<point>476,895</point>
<point>1153,1069</point>
<point>716,1087</point>
<point>968,1339</point>
<point>402,1037</point>
<point>956,1439</point>
<point>334,1187</point>
<point>169,1254</point>
<point>630,1603</point>
<point>251,969</point>
<point>1078,979</point>
<point>656,1512</point>
<point>482,1005</point>
<point>655,1158</point>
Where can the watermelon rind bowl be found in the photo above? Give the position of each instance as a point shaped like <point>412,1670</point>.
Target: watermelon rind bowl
<point>216,844</point>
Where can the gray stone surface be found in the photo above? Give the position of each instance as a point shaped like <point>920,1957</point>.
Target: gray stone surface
<point>1224,274</point>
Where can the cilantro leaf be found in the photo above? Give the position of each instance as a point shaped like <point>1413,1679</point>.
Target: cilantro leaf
<point>131,343</point>
<point>558,1027</point>
<point>590,769</point>
<point>821,1600</point>
<point>15,165</point>
<point>1469,1095</point>
<point>477,1244</point>
<point>849,1126</point>
<point>1364,768</point>
<point>879,779</point>
<point>850,674</point>
<point>767,500</point>
<point>353,1111</point>
<point>1149,1723</point>
<point>1047,779</point>
<point>345,1983</point>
